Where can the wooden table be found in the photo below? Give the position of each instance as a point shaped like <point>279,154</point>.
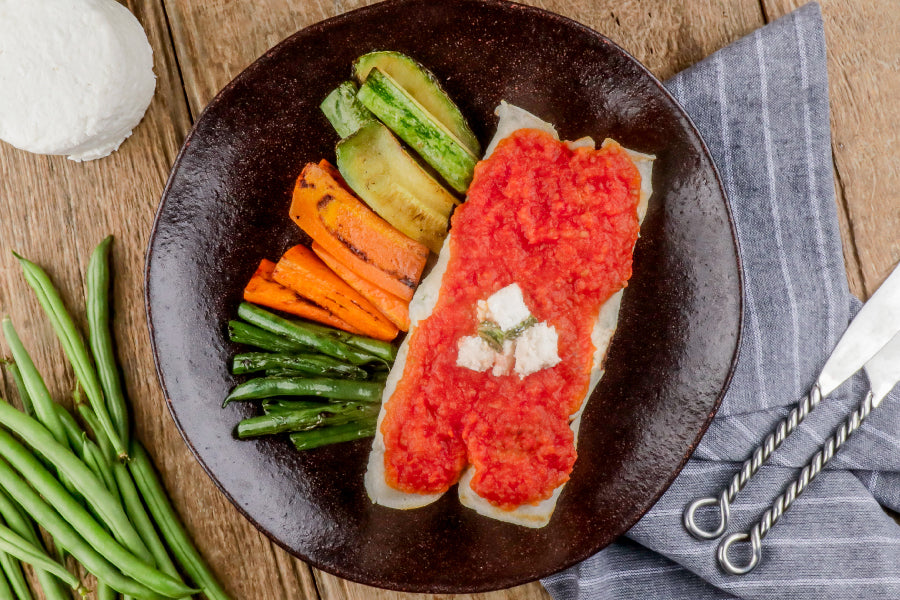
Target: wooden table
<point>54,211</point>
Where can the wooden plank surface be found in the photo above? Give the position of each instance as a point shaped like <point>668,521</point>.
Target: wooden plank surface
<point>54,210</point>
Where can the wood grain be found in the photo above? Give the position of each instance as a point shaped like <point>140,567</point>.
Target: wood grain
<point>864,81</point>
<point>54,211</point>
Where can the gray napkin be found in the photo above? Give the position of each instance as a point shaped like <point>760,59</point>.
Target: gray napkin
<point>761,104</point>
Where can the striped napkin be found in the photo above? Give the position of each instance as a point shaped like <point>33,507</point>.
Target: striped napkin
<point>761,104</point>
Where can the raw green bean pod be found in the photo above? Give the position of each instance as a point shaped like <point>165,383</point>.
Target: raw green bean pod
<point>27,405</point>
<point>301,364</point>
<point>35,388</point>
<point>100,466</point>
<point>337,389</point>
<point>170,525</point>
<point>324,436</point>
<point>88,485</point>
<point>12,577</point>
<point>142,522</point>
<point>97,301</point>
<point>244,333</point>
<point>93,423</point>
<point>15,545</point>
<point>51,586</point>
<point>310,416</point>
<point>65,535</point>
<point>302,334</point>
<point>74,434</point>
<point>73,346</point>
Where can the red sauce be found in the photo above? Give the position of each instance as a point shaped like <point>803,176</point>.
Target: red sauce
<point>562,224</point>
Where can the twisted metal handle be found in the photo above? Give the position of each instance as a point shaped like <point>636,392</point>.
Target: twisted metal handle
<point>794,489</point>
<point>750,467</point>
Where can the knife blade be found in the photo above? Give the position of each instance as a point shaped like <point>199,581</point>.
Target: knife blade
<point>883,370</point>
<point>873,327</point>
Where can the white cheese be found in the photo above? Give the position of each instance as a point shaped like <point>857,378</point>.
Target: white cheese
<point>536,349</point>
<point>503,361</point>
<point>474,353</point>
<point>76,76</point>
<point>507,308</point>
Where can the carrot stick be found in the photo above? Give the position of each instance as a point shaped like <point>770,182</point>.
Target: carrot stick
<point>354,235</point>
<point>302,271</point>
<point>265,291</point>
<point>394,308</point>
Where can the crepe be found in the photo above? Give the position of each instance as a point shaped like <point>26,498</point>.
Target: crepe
<point>511,118</point>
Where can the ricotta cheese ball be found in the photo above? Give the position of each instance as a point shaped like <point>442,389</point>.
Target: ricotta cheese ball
<point>76,76</point>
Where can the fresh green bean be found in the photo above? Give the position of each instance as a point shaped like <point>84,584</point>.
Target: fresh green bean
<point>139,558</point>
<point>244,333</point>
<point>337,389</point>
<point>104,592</point>
<point>73,345</point>
<point>100,466</point>
<point>93,423</point>
<point>97,302</point>
<point>27,405</point>
<point>303,419</point>
<point>300,333</point>
<point>74,434</point>
<point>169,524</point>
<point>65,535</point>
<point>324,436</point>
<point>383,350</point>
<point>142,522</point>
<point>13,577</point>
<point>5,590</point>
<point>34,384</point>
<point>15,545</point>
<point>309,364</point>
<point>21,524</point>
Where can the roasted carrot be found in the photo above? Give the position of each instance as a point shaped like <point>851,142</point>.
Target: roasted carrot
<point>265,291</point>
<point>354,235</point>
<point>394,308</point>
<point>303,272</point>
<point>335,174</point>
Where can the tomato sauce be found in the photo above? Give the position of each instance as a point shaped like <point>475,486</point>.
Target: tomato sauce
<point>562,224</point>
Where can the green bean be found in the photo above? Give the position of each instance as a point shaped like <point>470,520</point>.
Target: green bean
<point>15,520</point>
<point>138,563</point>
<point>65,535</point>
<point>311,364</point>
<point>93,423</point>
<point>142,522</point>
<point>73,346</point>
<point>310,416</point>
<point>34,384</point>
<point>169,524</point>
<point>13,577</point>
<point>5,590</point>
<point>383,350</point>
<point>27,405</point>
<point>15,545</point>
<point>324,436</point>
<point>244,333</point>
<point>104,592</point>
<point>74,435</point>
<point>337,389</point>
<point>300,333</point>
<point>100,466</point>
<point>97,302</point>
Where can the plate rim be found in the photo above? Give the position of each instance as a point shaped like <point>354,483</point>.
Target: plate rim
<point>259,63</point>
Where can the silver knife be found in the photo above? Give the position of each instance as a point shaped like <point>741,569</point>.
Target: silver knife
<point>884,373</point>
<point>873,327</point>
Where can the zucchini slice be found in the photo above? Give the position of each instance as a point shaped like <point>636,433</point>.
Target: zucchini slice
<point>345,113</point>
<point>422,85</point>
<point>391,182</point>
<point>415,126</point>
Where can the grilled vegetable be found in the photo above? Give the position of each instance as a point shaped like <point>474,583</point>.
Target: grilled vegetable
<point>265,291</point>
<point>307,415</point>
<point>302,271</point>
<point>417,127</point>
<point>393,184</point>
<point>394,308</point>
<point>354,235</point>
<point>335,389</point>
<point>423,86</point>
<point>244,333</point>
<point>345,113</point>
<point>311,364</point>
<point>307,440</point>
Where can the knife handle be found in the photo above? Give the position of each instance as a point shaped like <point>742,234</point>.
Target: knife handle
<point>750,467</point>
<point>794,489</point>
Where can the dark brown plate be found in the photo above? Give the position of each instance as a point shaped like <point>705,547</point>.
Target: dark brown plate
<point>225,207</point>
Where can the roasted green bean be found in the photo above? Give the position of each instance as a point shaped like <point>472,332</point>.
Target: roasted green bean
<point>337,389</point>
